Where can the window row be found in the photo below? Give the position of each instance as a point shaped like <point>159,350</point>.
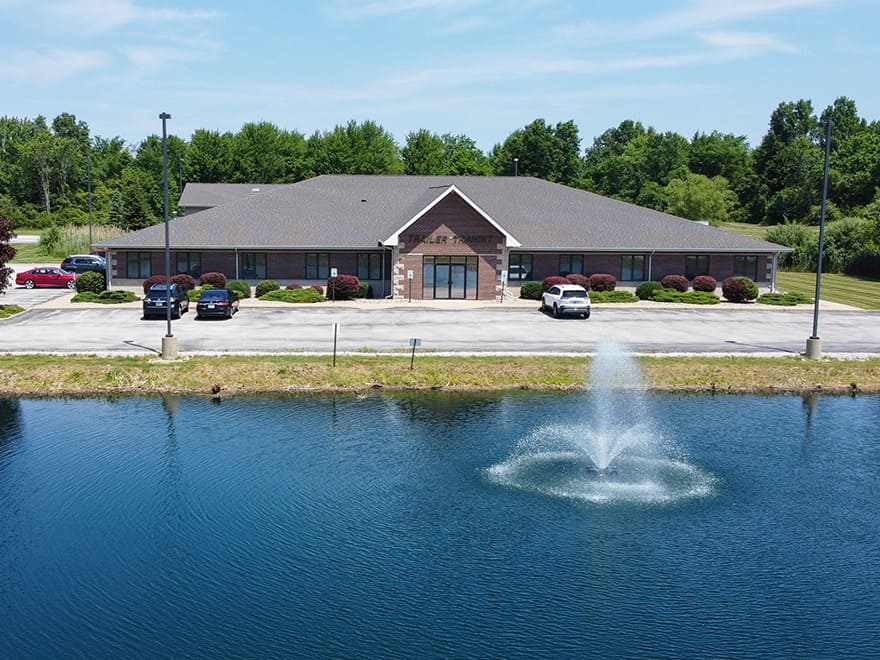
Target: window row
<point>253,265</point>
<point>632,267</point>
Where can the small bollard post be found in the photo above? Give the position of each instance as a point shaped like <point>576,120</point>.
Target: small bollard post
<point>335,334</point>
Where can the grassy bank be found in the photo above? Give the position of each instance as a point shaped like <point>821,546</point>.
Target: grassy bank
<point>89,375</point>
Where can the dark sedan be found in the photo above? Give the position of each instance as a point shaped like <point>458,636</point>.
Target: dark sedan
<point>43,276</point>
<point>217,302</point>
<point>157,299</point>
<point>83,263</point>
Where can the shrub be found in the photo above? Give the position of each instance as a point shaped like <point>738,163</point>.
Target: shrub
<point>581,280</point>
<point>365,290</point>
<point>602,282</point>
<point>293,285</point>
<point>343,287</point>
<point>785,299</point>
<point>318,288</point>
<point>265,287</point>
<point>691,297</point>
<point>301,295</point>
<point>153,279</point>
<point>705,283</point>
<point>184,281</point>
<point>531,291</point>
<point>646,289</point>
<point>739,289</point>
<point>8,310</point>
<point>242,288</point>
<point>675,282</point>
<point>553,280</point>
<point>216,280</point>
<point>613,297</point>
<point>114,297</point>
<point>90,281</point>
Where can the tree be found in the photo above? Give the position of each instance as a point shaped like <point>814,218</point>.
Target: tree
<point>423,153</point>
<point>355,149</point>
<point>209,157</point>
<point>461,156</point>
<point>855,168</point>
<point>257,154</point>
<point>845,119</point>
<point>698,197</point>
<point>136,192</point>
<point>7,252</point>
<point>541,150</point>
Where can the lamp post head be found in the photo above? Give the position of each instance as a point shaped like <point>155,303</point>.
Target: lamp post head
<point>164,115</point>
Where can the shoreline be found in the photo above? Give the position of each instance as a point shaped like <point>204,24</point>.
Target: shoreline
<point>35,376</point>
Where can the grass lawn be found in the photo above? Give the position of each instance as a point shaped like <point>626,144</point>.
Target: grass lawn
<point>755,231</point>
<point>856,291</point>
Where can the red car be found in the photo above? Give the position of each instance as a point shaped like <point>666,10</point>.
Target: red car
<point>46,276</point>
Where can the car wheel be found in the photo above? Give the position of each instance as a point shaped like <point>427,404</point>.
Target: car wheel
<point>543,307</point>
<point>29,284</point>
<point>555,311</point>
<point>71,284</point>
<point>586,316</point>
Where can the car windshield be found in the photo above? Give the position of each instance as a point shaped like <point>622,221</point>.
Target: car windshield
<point>574,293</point>
<point>214,294</point>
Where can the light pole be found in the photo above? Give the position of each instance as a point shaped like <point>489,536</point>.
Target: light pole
<point>169,342</point>
<point>180,176</point>
<point>516,167</point>
<point>814,344</point>
<point>89,177</point>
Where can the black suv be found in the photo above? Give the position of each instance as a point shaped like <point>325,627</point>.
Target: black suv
<point>82,263</point>
<point>156,300</point>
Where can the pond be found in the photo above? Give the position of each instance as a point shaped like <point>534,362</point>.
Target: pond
<point>438,525</point>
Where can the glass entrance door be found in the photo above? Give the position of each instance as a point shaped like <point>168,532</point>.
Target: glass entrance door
<point>449,278</point>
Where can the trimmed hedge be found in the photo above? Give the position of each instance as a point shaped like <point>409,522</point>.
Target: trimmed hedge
<point>705,283</point>
<point>675,282</point>
<point>301,295</point>
<point>581,280</point>
<point>114,297</point>
<point>691,297</point>
<point>646,289</point>
<point>602,282</point>
<point>265,287</point>
<point>365,290</point>
<point>343,287</point>
<point>785,299</point>
<point>90,281</point>
<point>293,285</point>
<point>739,289</point>
<point>242,288</point>
<point>613,297</point>
<point>531,291</point>
<point>553,280</point>
<point>216,280</point>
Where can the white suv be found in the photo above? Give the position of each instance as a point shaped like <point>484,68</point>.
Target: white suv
<point>566,299</point>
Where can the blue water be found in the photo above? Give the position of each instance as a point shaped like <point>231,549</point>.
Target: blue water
<point>379,527</point>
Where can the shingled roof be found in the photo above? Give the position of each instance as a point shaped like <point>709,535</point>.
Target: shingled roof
<point>336,212</point>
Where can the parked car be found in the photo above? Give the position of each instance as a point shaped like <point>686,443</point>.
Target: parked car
<point>217,302</point>
<point>82,263</point>
<point>156,301</point>
<point>566,299</point>
<point>99,253</point>
<point>46,277</point>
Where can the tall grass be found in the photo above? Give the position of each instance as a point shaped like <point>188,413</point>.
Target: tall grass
<point>74,239</point>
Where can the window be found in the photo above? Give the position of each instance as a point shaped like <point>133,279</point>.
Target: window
<point>696,264</point>
<point>138,265</point>
<point>571,263</point>
<point>633,269</point>
<point>520,267</point>
<point>746,265</point>
<point>189,263</point>
<point>253,265</point>
<point>317,265</point>
<point>369,266</point>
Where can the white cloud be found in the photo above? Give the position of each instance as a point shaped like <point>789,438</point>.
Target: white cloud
<point>747,43</point>
<point>49,66</point>
<point>98,16</point>
<point>355,10</point>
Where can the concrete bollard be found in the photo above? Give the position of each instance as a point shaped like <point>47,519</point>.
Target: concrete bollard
<point>814,348</point>
<point>169,348</point>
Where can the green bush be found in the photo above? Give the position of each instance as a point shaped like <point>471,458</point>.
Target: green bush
<point>242,288</point>
<point>8,310</point>
<point>531,291</point>
<point>691,297</point>
<point>784,299</point>
<point>739,289</point>
<point>90,281</point>
<point>365,290</point>
<point>613,297</point>
<point>265,287</point>
<point>115,297</point>
<point>307,295</point>
<point>194,294</point>
<point>646,289</point>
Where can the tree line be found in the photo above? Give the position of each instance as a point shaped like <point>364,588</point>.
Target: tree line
<point>46,169</point>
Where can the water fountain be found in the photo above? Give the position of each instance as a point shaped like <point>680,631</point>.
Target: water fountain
<point>613,452</point>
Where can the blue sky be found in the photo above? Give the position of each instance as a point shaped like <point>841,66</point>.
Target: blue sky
<point>482,68</point>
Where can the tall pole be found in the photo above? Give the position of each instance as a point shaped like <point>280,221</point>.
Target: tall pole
<point>516,167</point>
<point>165,116</point>
<point>814,346</point>
<point>180,176</point>
<point>89,177</point>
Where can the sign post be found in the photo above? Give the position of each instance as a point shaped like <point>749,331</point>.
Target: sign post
<point>333,273</point>
<point>409,277</point>
<point>335,334</point>
<point>413,342</point>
